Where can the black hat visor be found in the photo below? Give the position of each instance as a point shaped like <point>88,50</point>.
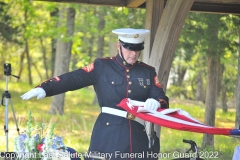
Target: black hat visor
<point>132,46</point>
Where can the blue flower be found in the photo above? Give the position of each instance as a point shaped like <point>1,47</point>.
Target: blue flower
<point>22,137</point>
<point>57,142</point>
<point>54,146</point>
<point>37,137</point>
<point>42,140</point>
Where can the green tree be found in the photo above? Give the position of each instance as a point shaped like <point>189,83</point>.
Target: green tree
<point>8,34</point>
<point>63,54</point>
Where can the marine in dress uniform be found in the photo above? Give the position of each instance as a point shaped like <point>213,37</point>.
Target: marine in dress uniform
<point>116,134</point>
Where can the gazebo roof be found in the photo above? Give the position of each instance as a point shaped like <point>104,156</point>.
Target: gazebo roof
<point>208,6</point>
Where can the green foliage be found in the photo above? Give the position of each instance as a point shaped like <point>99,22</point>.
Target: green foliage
<point>175,91</point>
<point>8,32</point>
<point>36,23</point>
<point>195,43</point>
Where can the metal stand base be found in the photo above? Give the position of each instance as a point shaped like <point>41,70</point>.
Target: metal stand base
<point>7,96</point>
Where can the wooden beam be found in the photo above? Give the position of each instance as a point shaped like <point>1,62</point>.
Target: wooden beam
<point>206,6</point>
<point>166,38</point>
<point>92,2</point>
<point>216,8</point>
<point>219,1</point>
<point>134,3</point>
<point>154,9</point>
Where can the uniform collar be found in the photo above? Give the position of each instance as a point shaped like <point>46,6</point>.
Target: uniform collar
<point>122,62</point>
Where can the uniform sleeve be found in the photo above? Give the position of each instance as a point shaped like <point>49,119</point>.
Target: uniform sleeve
<point>158,93</point>
<point>73,80</point>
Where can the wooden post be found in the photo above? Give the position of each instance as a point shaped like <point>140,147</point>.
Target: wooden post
<point>165,24</point>
<point>166,38</point>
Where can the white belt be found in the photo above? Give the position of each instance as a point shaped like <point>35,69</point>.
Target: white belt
<point>121,113</point>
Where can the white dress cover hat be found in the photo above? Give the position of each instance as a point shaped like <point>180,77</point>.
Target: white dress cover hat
<point>132,39</point>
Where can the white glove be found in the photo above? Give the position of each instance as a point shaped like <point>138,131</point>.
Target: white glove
<point>36,92</point>
<point>152,104</point>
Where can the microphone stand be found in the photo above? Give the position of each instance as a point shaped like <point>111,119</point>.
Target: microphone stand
<point>7,96</point>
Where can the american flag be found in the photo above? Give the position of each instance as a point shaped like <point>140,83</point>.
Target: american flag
<point>173,118</point>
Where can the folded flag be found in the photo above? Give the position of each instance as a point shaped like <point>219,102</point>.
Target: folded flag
<point>173,118</point>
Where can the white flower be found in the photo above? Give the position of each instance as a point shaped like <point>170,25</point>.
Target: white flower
<point>31,141</point>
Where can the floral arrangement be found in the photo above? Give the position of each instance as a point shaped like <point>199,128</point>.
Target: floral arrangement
<point>38,143</point>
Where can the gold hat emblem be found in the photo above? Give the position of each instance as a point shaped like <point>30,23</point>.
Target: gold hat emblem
<point>136,36</point>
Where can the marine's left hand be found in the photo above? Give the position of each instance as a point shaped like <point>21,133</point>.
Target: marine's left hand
<point>152,104</point>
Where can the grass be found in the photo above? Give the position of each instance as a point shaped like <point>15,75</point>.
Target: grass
<point>171,140</point>
<point>76,124</point>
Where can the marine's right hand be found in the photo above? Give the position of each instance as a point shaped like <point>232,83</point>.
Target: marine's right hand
<point>36,92</point>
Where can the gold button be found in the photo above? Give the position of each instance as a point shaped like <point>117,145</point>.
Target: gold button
<point>129,91</point>
<point>128,76</point>
<point>130,116</point>
<point>129,83</point>
<point>112,82</point>
<point>124,62</point>
<point>107,123</point>
<point>145,87</point>
<point>127,70</point>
